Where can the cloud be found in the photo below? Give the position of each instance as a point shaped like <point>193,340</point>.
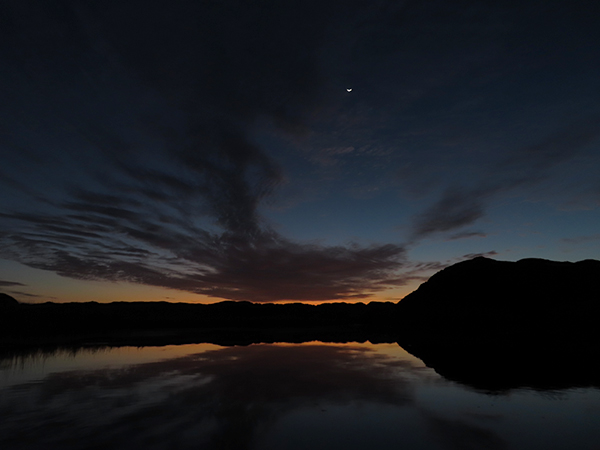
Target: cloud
<point>10,283</point>
<point>97,243</point>
<point>455,209</point>
<point>234,397</point>
<point>460,206</point>
<point>477,255</point>
<point>141,160</point>
<point>25,294</point>
<point>422,270</point>
<point>221,398</point>
<point>582,239</point>
<point>466,235</point>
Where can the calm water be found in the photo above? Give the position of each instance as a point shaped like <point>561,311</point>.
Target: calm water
<point>269,396</point>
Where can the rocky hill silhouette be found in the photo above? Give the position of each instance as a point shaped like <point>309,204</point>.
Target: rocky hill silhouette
<point>497,324</point>
<point>7,302</point>
<point>501,298</point>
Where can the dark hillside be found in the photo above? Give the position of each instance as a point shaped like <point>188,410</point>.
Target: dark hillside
<point>499,325</point>
<point>7,302</point>
<point>492,298</point>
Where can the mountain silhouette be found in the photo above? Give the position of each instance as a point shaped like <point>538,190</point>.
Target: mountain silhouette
<point>495,298</point>
<point>499,325</point>
<point>7,302</point>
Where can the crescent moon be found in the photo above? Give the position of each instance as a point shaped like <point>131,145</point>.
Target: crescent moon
<point>349,90</point>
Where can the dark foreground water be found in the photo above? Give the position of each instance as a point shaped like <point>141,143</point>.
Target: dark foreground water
<point>270,396</point>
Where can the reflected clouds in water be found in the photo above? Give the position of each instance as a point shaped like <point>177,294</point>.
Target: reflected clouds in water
<point>224,398</point>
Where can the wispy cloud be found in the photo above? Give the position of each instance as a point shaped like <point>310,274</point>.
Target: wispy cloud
<point>477,255</point>
<point>26,294</point>
<point>455,209</point>
<point>244,261</point>
<point>422,270</point>
<point>467,235</point>
<point>582,239</point>
<point>4,283</point>
<point>460,206</point>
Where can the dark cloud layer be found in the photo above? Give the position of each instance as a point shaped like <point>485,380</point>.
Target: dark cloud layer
<point>4,283</point>
<point>461,206</point>
<point>261,267</point>
<point>179,210</point>
<point>27,294</point>
<point>582,239</point>
<point>466,235</point>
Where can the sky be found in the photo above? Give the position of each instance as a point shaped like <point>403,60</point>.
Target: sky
<point>275,151</point>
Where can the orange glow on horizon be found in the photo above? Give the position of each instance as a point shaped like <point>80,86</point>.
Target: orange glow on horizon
<point>41,286</point>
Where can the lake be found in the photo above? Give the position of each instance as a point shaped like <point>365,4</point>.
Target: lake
<point>274,396</point>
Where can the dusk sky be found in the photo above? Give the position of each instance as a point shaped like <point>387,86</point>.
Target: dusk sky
<point>306,150</point>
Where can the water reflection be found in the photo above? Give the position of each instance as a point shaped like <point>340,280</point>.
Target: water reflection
<point>263,396</point>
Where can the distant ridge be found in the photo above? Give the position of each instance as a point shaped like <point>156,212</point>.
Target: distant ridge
<point>225,322</point>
